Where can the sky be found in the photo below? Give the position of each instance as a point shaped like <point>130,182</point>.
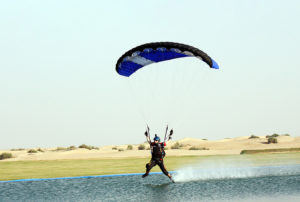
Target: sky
<point>59,87</point>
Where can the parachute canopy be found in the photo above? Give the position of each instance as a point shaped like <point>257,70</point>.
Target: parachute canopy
<point>149,53</point>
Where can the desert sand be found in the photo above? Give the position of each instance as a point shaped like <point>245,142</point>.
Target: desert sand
<point>229,146</point>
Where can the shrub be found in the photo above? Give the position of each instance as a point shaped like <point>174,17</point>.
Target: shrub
<point>72,147</point>
<point>19,149</point>
<point>274,135</point>
<point>253,136</point>
<point>84,146</point>
<point>31,151</point>
<point>176,146</point>
<point>120,150</point>
<point>40,150</point>
<point>5,155</point>
<point>129,147</point>
<point>141,147</point>
<point>286,134</point>
<point>114,148</point>
<point>272,140</point>
<point>198,148</point>
<point>60,149</point>
<point>245,152</point>
<point>204,139</point>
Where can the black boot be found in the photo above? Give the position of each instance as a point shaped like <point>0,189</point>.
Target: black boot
<point>145,175</point>
<point>170,177</point>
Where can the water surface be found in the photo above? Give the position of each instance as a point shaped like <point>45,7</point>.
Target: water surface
<point>265,183</point>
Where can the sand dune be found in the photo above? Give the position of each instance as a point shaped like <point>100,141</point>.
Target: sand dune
<point>219,147</point>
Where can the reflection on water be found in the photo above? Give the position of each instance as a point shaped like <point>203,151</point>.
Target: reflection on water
<point>275,183</point>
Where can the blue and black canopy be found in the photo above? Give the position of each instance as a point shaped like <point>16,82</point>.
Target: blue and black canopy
<point>149,53</point>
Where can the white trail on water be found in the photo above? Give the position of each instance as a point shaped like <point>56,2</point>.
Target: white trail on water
<point>230,170</point>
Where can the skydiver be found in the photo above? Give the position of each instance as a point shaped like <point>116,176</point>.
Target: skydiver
<point>158,153</point>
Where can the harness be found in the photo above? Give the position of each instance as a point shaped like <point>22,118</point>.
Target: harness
<point>157,150</point>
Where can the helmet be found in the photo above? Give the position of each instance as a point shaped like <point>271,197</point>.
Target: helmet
<point>156,138</point>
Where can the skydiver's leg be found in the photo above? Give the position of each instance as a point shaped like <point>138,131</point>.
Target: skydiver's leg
<point>149,166</point>
<point>162,167</point>
<point>164,170</point>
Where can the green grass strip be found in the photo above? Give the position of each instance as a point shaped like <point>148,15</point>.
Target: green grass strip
<point>258,151</point>
<point>13,170</point>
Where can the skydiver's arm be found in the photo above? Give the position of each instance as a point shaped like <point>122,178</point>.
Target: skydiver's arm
<point>147,134</point>
<point>170,135</point>
<point>165,139</point>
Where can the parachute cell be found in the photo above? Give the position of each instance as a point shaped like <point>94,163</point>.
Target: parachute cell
<point>149,53</point>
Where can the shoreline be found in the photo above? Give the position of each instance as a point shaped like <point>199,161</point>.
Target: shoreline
<point>83,177</point>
